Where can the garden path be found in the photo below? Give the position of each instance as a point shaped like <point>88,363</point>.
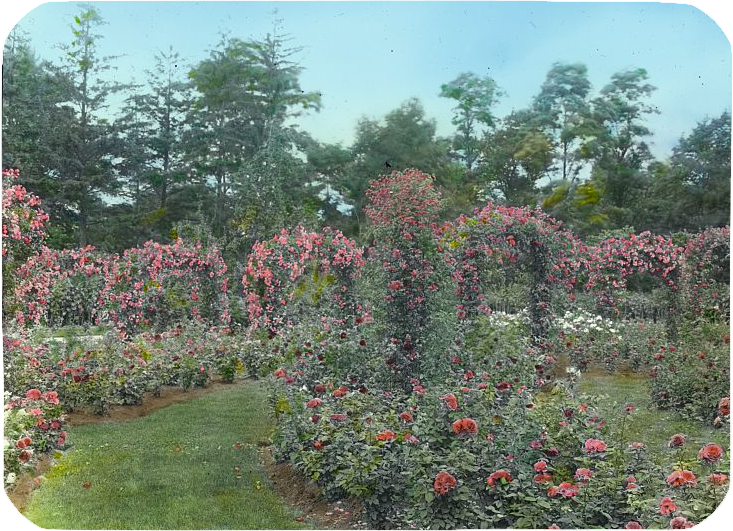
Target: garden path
<point>191,465</point>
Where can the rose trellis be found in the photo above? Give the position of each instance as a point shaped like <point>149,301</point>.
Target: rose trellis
<point>610,264</point>
<point>706,270</point>
<point>280,269</point>
<point>157,284</point>
<point>498,235</point>
<point>403,209</point>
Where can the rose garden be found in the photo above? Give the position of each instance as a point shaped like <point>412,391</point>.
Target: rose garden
<point>395,381</point>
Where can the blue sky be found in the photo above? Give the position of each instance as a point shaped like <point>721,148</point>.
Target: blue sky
<point>367,58</point>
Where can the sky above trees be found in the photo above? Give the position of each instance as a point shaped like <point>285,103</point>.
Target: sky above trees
<point>367,58</point>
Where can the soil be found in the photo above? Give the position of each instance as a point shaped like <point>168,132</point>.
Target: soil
<point>21,491</point>
<point>306,497</point>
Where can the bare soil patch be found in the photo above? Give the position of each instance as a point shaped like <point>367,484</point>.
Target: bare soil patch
<point>307,498</point>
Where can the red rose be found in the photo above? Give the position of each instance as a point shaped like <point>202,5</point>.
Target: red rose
<point>314,402</point>
<point>567,489</point>
<point>540,466</point>
<point>680,478</point>
<point>24,455</point>
<point>667,506</point>
<point>465,426</point>
<point>444,482</point>
<point>593,446</point>
<point>718,479</point>
<point>677,440</point>
<point>450,401</point>
<point>279,373</point>
<point>680,522</point>
<point>498,477</point>
<point>543,478</point>
<point>583,474</point>
<point>385,435</point>
<point>318,445</point>
<point>724,406</point>
<point>406,416</point>
<point>633,525</point>
<point>33,394</point>
<point>710,453</point>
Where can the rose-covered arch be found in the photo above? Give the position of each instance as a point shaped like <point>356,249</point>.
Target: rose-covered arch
<point>496,235</point>
<point>705,272</point>
<point>277,269</point>
<point>610,264</point>
<point>157,284</point>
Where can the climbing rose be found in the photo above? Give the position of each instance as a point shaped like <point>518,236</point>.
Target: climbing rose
<point>539,466</point>
<point>498,476</point>
<point>444,482</point>
<point>543,478</point>
<point>710,453</point>
<point>385,435</point>
<point>667,505</point>
<point>583,474</point>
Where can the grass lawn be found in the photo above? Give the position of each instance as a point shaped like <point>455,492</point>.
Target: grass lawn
<point>651,426</point>
<point>192,465</point>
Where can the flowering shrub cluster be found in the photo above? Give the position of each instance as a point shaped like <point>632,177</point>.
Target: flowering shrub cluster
<point>705,273</point>
<point>33,426</point>
<point>589,339</point>
<point>404,211</point>
<point>115,370</point>
<point>693,376</point>
<point>496,235</point>
<point>23,219</point>
<point>463,430</point>
<point>147,287</point>
<point>278,272</point>
<point>23,230</point>
<point>466,455</point>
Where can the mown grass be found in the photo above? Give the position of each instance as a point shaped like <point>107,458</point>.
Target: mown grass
<point>647,424</point>
<point>193,465</point>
